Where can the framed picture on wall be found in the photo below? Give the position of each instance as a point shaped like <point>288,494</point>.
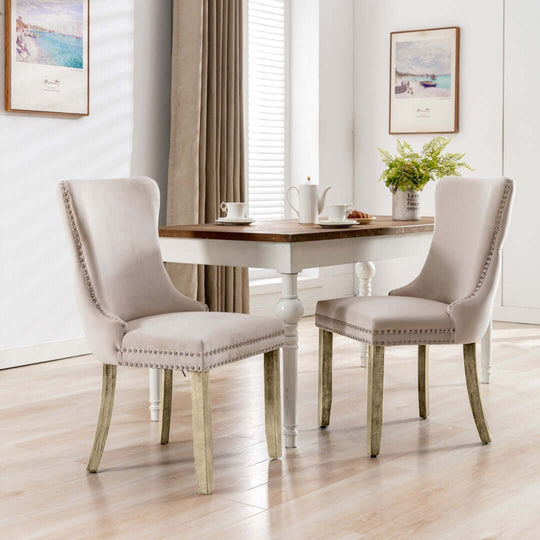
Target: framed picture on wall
<point>47,56</point>
<point>424,81</point>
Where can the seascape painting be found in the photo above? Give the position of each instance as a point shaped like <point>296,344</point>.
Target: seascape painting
<point>424,81</point>
<point>423,69</point>
<point>50,32</point>
<point>47,56</point>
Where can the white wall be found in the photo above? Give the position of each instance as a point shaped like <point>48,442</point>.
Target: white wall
<point>304,92</point>
<point>126,133</point>
<point>480,124</point>
<point>321,80</point>
<point>336,100</point>
<point>152,26</point>
<point>521,260</point>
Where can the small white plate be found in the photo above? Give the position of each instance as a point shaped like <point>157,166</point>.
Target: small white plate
<point>337,224</point>
<point>364,221</point>
<point>237,221</point>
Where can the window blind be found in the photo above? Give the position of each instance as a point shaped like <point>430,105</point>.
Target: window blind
<point>266,108</point>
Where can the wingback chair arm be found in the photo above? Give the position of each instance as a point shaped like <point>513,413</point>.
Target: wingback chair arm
<point>103,331</point>
<point>471,315</point>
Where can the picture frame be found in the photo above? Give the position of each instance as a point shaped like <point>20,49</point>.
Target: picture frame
<point>47,57</point>
<point>424,81</point>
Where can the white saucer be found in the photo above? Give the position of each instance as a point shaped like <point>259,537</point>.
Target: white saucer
<point>337,224</point>
<point>234,221</point>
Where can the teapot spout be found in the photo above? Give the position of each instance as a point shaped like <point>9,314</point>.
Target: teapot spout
<point>322,199</point>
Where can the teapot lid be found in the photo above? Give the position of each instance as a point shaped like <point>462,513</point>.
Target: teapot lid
<point>309,183</point>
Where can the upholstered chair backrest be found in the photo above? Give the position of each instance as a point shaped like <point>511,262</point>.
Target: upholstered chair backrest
<point>463,264</point>
<point>119,272</point>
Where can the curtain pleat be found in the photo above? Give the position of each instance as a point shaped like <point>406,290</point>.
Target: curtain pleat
<point>206,163</point>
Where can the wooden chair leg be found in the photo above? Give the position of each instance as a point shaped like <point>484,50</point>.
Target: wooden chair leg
<point>203,447</point>
<point>325,376</point>
<point>165,405</point>
<point>272,403</point>
<point>108,387</point>
<point>375,399</point>
<point>471,376</point>
<point>423,380</point>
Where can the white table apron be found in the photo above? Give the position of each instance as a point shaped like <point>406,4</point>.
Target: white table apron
<point>289,259</point>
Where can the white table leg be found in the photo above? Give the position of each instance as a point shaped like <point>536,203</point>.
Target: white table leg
<point>365,272</point>
<point>155,383</point>
<point>290,311</point>
<point>485,362</point>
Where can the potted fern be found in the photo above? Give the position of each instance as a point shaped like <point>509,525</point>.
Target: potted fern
<point>407,173</point>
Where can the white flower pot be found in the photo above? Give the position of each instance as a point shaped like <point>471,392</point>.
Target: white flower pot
<point>405,205</point>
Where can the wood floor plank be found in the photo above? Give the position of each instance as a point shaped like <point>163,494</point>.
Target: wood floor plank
<point>433,478</point>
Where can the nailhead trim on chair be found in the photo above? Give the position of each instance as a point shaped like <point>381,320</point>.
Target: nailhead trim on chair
<point>496,231</point>
<point>198,368</point>
<point>82,261</point>
<point>205,354</point>
<point>338,327</point>
<point>386,332</point>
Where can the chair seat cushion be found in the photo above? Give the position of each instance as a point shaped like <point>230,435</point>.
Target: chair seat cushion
<point>197,340</point>
<point>386,320</point>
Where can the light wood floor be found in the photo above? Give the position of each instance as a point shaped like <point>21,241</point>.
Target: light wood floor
<point>433,478</point>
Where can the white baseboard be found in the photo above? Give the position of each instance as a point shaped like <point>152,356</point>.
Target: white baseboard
<point>42,352</point>
<point>516,314</point>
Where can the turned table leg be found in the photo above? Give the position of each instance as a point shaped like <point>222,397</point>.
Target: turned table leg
<point>290,311</point>
<point>155,389</point>
<point>485,360</point>
<point>365,272</point>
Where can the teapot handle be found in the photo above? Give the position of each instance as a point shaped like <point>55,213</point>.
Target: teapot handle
<point>289,200</point>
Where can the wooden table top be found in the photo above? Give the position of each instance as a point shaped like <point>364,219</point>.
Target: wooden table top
<point>289,230</point>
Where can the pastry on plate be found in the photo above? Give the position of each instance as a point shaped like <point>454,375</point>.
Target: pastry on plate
<point>356,214</point>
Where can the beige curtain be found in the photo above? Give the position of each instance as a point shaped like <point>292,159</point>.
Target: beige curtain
<point>206,164</point>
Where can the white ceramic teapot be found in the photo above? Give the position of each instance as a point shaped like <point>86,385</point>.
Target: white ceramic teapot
<point>310,204</point>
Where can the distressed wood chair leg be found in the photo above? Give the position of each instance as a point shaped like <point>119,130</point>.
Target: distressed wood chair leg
<point>165,405</point>
<point>108,386</point>
<point>375,399</point>
<point>272,403</point>
<point>203,446</point>
<point>471,376</point>
<point>423,380</point>
<point>325,376</point>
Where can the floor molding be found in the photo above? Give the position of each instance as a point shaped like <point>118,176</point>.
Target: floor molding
<point>42,352</point>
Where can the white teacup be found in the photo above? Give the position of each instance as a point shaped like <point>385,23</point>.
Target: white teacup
<point>338,212</point>
<point>234,210</point>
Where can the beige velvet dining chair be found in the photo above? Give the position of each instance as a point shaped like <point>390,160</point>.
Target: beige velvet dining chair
<point>132,315</point>
<point>451,301</point>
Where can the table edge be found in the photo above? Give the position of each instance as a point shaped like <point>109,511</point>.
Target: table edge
<point>324,234</point>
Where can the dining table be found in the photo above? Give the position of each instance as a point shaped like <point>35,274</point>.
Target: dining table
<point>290,247</point>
